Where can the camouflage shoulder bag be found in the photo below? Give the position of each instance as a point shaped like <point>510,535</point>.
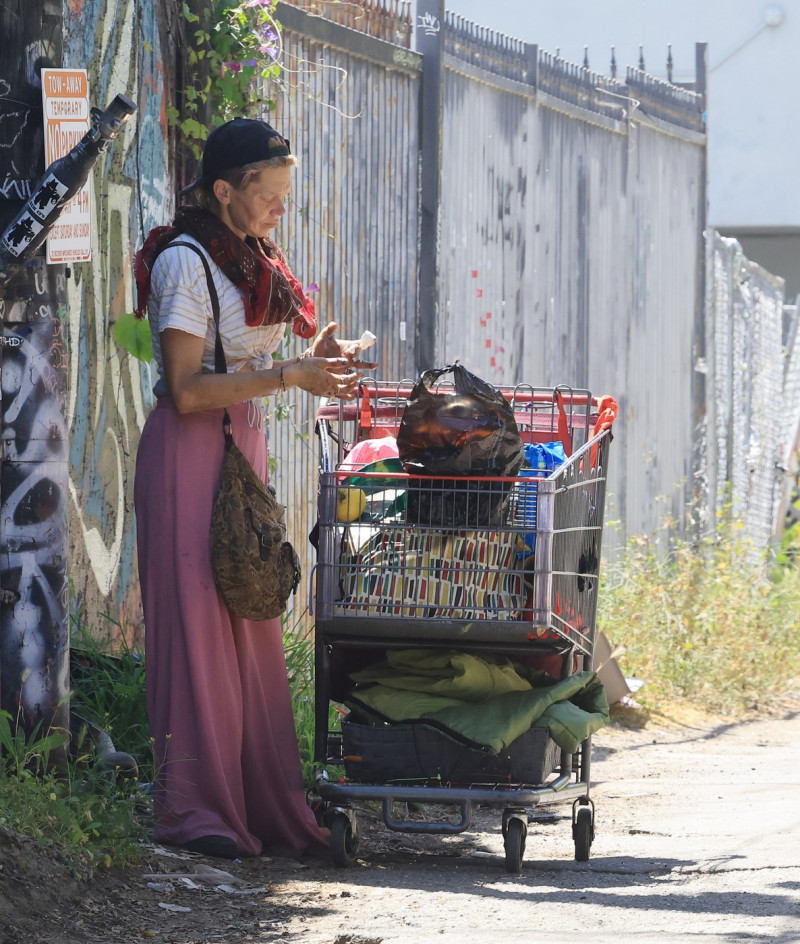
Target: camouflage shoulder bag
<point>255,567</point>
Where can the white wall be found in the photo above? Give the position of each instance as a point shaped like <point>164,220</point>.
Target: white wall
<point>754,79</point>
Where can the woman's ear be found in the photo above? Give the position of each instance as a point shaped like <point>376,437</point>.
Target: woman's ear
<point>222,191</point>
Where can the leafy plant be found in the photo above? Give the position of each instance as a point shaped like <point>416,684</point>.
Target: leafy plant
<point>300,666</point>
<point>234,48</point>
<point>23,754</point>
<point>77,810</point>
<point>133,335</point>
<point>109,690</point>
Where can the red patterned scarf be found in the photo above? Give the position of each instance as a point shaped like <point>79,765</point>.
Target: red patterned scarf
<point>272,295</point>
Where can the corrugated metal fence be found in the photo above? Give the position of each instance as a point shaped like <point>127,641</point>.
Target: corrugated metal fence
<point>349,104</point>
<point>572,209</point>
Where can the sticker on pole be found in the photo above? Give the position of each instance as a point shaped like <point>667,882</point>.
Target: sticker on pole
<point>65,97</point>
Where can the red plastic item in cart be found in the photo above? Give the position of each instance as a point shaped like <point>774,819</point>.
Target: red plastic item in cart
<point>368,451</point>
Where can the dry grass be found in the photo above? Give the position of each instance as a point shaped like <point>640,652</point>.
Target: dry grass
<point>707,626</point>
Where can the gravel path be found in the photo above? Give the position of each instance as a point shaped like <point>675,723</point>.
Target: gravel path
<point>697,838</point>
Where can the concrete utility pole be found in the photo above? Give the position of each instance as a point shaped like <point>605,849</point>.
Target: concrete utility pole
<point>34,461</point>
<point>34,470</point>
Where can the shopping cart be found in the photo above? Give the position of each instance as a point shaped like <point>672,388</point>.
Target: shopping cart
<point>476,568</point>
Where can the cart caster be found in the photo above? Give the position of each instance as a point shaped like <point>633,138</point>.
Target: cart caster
<point>515,833</point>
<point>344,839</point>
<point>509,813</point>
<point>582,830</point>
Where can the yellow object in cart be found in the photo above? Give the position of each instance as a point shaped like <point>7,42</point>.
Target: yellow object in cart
<point>350,504</point>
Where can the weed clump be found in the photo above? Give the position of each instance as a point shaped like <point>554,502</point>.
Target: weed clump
<point>74,808</point>
<point>711,624</point>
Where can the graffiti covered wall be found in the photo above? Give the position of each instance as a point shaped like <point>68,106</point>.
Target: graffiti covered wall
<point>123,48</point>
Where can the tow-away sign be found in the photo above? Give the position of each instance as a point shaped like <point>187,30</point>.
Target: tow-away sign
<point>65,97</point>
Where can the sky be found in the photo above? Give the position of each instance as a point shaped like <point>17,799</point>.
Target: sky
<point>513,17</point>
<point>569,25</point>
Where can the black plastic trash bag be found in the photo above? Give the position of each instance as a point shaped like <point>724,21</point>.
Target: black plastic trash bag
<point>469,431</point>
<point>453,504</point>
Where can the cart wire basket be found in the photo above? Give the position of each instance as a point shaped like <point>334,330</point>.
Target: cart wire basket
<point>490,567</point>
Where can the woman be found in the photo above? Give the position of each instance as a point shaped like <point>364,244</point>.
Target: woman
<point>228,778</point>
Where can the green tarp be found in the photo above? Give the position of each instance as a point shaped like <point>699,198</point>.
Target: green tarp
<point>486,701</point>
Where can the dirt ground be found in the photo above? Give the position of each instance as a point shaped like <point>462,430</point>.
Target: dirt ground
<point>697,838</point>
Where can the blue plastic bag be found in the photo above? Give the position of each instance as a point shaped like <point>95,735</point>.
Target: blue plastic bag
<point>547,456</point>
<point>540,460</point>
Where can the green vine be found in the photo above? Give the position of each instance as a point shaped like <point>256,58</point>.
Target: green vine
<point>234,48</point>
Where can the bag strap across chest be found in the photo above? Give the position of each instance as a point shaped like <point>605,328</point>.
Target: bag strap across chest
<point>220,364</point>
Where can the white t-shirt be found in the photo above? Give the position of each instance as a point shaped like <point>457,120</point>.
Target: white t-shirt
<point>179,299</point>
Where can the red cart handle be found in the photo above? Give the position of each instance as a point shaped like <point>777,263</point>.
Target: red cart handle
<point>563,423</point>
<point>608,410</point>
<point>365,416</point>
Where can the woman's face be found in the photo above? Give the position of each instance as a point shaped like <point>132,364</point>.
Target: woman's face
<point>255,209</point>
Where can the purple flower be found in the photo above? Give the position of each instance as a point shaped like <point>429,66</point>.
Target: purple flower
<point>270,44</point>
<point>312,288</point>
<point>233,66</point>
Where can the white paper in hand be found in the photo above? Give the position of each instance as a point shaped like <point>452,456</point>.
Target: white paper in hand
<point>367,340</point>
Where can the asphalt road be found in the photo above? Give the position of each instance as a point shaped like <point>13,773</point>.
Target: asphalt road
<point>697,839</point>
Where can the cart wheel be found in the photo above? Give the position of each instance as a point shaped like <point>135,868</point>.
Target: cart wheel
<point>344,841</point>
<point>516,831</point>
<point>583,834</point>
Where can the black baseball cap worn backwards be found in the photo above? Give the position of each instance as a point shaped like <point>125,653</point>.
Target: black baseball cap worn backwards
<point>235,144</point>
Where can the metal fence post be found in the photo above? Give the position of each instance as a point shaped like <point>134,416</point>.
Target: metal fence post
<point>430,43</point>
<point>698,496</point>
<point>532,57</point>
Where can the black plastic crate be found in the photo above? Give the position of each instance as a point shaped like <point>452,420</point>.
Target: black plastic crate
<point>391,752</point>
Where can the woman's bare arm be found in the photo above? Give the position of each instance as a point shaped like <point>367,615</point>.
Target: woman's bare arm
<point>193,390</point>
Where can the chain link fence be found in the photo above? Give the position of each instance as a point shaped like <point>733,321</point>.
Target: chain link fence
<point>753,394</point>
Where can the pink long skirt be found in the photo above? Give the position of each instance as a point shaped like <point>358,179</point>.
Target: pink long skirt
<point>226,754</point>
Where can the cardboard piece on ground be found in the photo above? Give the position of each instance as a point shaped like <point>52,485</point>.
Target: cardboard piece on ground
<point>609,671</point>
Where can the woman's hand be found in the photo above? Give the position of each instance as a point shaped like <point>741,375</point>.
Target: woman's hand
<point>327,345</point>
<point>323,376</point>
<point>193,389</point>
